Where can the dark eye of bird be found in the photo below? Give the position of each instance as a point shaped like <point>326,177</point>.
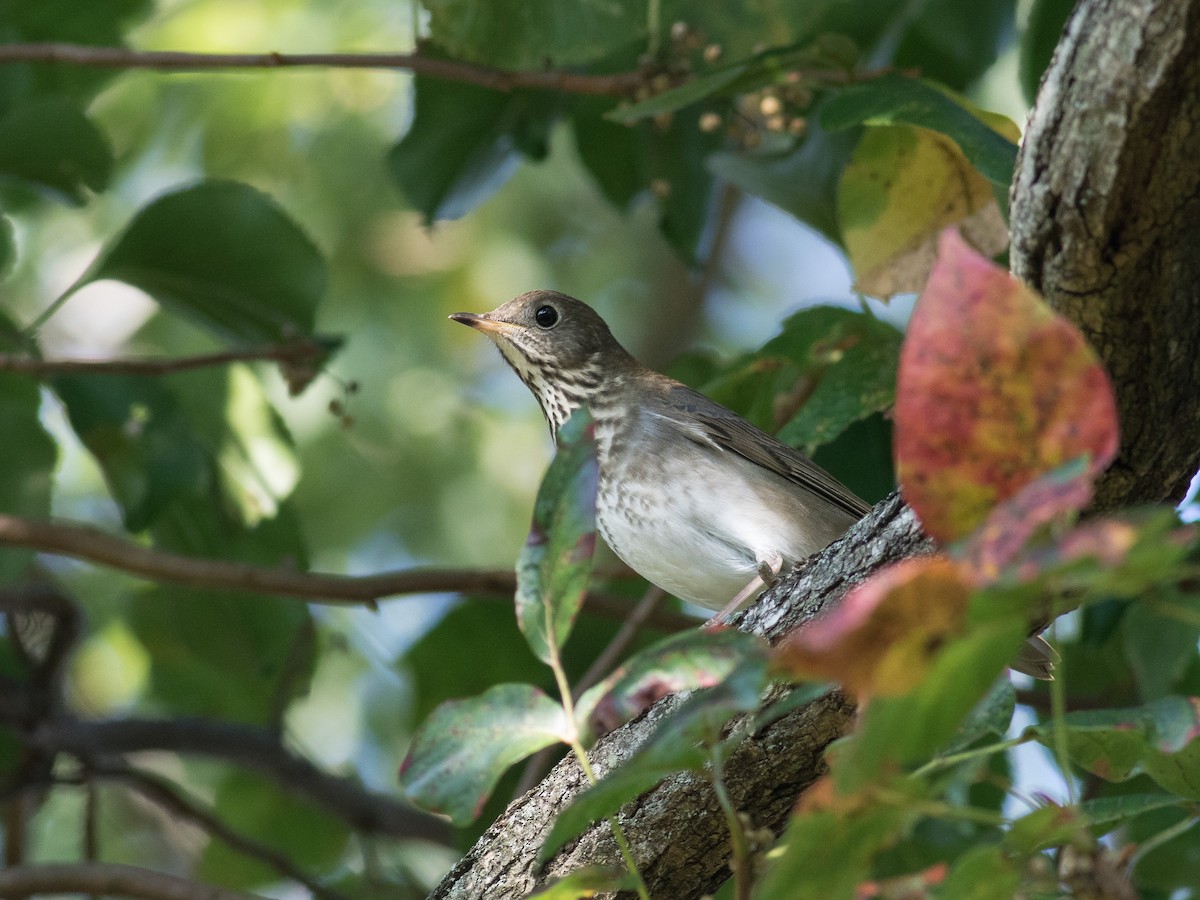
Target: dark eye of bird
<point>546,316</point>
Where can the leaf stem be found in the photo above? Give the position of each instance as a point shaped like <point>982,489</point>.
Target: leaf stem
<point>654,25</point>
<point>946,762</point>
<point>743,876</point>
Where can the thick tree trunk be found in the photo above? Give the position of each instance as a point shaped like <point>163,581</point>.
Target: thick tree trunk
<point>1106,223</point>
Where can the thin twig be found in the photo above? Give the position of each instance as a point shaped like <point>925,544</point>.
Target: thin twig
<point>88,543</point>
<point>106,878</point>
<point>41,368</point>
<point>540,762</point>
<point>616,85</point>
<point>163,793</point>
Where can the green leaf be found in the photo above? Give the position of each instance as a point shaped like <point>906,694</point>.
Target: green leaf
<point>51,144</point>
<point>535,33</point>
<point>825,853</point>
<point>465,142</point>
<point>460,752</point>
<point>837,364</point>
<point>1103,814</point>
<point>800,180</point>
<point>693,91</point>
<point>296,829</point>
<point>906,730</point>
<point>99,22</point>
<point>982,873</point>
<point>554,566</point>
<point>675,746</point>
<point>693,659</point>
<point>1158,739</point>
<point>8,246</point>
<point>954,42</point>
<point>1047,826</point>
<point>586,882</point>
<point>1043,28</point>
<point>893,99</point>
<point>27,458</point>
<point>990,717</point>
<point>224,255</point>
<point>1160,632</point>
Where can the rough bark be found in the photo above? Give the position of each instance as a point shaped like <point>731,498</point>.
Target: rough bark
<point>1106,222</point>
<point>677,831</point>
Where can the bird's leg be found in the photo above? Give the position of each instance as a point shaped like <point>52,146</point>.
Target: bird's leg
<point>768,574</point>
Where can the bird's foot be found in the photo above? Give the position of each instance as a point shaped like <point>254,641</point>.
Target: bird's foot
<point>768,574</point>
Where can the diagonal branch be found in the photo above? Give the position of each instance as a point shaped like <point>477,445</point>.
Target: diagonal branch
<point>244,745</point>
<point>93,545</point>
<point>298,352</point>
<point>621,84</point>
<point>112,879</point>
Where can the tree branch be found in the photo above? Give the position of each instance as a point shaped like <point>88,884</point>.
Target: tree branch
<point>617,85</point>
<point>106,878</point>
<point>677,830</point>
<point>1106,222</point>
<point>244,745</point>
<point>164,794</point>
<point>93,545</point>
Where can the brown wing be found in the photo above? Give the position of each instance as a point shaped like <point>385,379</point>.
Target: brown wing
<point>707,421</point>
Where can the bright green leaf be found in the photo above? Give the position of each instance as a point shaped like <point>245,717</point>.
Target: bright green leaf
<point>894,99</point>
<point>460,752</point>
<point>50,143</point>
<point>464,143</point>
<point>553,570</point>
<point>224,255</point>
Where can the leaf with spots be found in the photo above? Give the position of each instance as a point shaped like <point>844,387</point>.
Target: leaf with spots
<point>994,390</point>
<point>463,748</point>
<point>553,570</point>
<point>1158,739</point>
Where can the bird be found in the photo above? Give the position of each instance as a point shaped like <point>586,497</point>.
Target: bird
<point>690,495</point>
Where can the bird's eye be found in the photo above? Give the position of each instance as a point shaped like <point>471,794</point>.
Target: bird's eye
<point>546,316</point>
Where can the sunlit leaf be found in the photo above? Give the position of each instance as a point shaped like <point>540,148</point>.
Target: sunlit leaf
<point>553,570</point>
<point>902,187</point>
<point>895,99</point>
<point>994,389</point>
<point>463,748</point>
<point>224,255</point>
<point>51,144</point>
<point>693,659</point>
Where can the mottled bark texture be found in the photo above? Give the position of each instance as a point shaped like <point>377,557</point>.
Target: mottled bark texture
<point>1106,223</point>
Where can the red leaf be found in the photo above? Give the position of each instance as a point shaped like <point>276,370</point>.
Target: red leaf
<point>994,390</point>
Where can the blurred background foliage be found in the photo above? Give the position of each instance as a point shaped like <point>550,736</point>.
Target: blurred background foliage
<point>380,204</point>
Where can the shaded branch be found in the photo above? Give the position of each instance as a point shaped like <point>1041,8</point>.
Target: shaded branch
<point>244,745</point>
<point>164,794</point>
<point>93,545</point>
<point>677,831</point>
<point>616,85</point>
<point>106,878</point>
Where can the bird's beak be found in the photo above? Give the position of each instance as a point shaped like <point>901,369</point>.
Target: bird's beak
<point>481,323</point>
